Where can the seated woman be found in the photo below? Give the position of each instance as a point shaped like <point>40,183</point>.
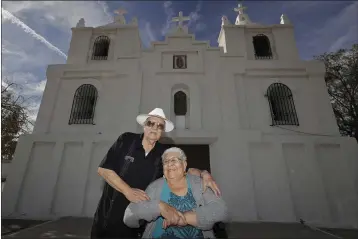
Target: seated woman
<point>199,210</point>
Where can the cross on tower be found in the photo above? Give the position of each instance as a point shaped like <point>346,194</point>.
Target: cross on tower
<point>120,16</point>
<point>180,19</point>
<point>240,8</point>
<point>120,11</point>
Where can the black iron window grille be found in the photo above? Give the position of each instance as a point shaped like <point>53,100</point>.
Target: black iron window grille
<point>282,107</point>
<point>83,105</point>
<point>180,103</point>
<point>179,62</point>
<point>100,48</point>
<point>262,47</point>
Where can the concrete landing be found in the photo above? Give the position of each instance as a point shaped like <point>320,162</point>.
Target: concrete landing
<point>71,227</point>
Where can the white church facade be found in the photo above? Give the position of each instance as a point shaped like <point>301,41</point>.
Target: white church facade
<point>249,110</point>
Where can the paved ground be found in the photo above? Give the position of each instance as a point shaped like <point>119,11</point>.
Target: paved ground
<point>9,226</point>
<point>80,228</point>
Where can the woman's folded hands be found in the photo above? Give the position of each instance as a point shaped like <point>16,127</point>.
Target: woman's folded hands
<point>173,217</point>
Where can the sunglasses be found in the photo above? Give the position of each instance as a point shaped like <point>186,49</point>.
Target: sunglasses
<point>151,124</point>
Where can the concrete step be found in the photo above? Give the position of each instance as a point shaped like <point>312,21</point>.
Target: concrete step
<point>73,227</point>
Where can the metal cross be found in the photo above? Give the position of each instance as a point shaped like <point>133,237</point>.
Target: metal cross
<point>240,8</point>
<point>180,19</point>
<point>120,11</point>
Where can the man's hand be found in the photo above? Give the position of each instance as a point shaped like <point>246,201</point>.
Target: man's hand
<point>208,181</point>
<point>171,215</point>
<point>136,195</point>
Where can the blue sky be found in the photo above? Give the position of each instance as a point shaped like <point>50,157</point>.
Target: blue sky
<point>36,34</point>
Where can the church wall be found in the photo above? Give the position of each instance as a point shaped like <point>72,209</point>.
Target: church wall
<point>327,123</point>
<point>211,101</point>
<point>79,46</point>
<point>270,182</point>
<point>49,98</point>
<point>113,87</point>
<point>285,42</point>
<point>229,156</point>
<point>259,110</point>
<point>278,178</point>
<point>127,43</point>
<point>305,181</point>
<point>263,177</point>
<point>235,41</point>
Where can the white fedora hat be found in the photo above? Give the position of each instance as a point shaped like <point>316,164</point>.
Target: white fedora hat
<point>157,112</point>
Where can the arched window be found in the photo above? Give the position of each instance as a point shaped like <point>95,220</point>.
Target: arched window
<point>180,103</point>
<point>262,47</point>
<point>100,48</point>
<point>282,107</point>
<point>83,106</point>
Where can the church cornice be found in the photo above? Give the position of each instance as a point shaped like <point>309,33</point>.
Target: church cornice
<point>258,26</point>
<point>180,72</point>
<point>85,73</point>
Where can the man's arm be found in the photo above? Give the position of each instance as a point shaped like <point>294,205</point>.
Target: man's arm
<point>194,171</point>
<point>114,180</point>
<point>208,180</point>
<point>146,210</point>
<point>106,170</point>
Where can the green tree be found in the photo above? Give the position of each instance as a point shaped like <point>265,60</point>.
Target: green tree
<point>342,81</point>
<point>14,119</point>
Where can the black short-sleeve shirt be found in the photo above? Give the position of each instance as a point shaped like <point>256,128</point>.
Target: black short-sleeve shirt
<point>127,158</point>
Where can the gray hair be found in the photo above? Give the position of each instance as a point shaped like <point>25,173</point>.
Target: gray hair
<point>182,155</point>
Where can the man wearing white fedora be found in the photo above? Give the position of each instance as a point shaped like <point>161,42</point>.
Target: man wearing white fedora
<point>130,165</point>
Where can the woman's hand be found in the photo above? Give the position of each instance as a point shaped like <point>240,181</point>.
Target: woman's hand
<point>181,223</point>
<point>171,215</point>
<point>191,219</point>
<point>136,195</point>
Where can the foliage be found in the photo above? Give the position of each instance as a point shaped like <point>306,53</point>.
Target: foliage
<point>15,119</point>
<point>342,82</point>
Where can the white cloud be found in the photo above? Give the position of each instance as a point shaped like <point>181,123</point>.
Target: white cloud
<point>200,27</point>
<point>25,59</point>
<point>63,15</point>
<point>195,17</point>
<point>305,7</point>
<point>7,15</point>
<point>149,31</point>
<point>338,32</point>
<point>169,12</point>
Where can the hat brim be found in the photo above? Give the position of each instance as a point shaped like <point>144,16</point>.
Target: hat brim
<point>169,126</point>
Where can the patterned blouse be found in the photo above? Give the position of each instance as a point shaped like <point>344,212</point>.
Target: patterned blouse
<point>182,204</point>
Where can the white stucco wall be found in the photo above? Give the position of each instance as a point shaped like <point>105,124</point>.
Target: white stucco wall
<point>266,173</point>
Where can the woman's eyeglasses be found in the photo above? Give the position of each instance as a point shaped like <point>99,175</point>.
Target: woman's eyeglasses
<point>151,124</point>
<point>167,162</point>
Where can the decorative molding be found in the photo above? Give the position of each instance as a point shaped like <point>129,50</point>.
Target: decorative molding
<point>274,73</point>
<point>180,71</point>
<point>259,26</point>
<point>90,74</point>
<point>129,57</point>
